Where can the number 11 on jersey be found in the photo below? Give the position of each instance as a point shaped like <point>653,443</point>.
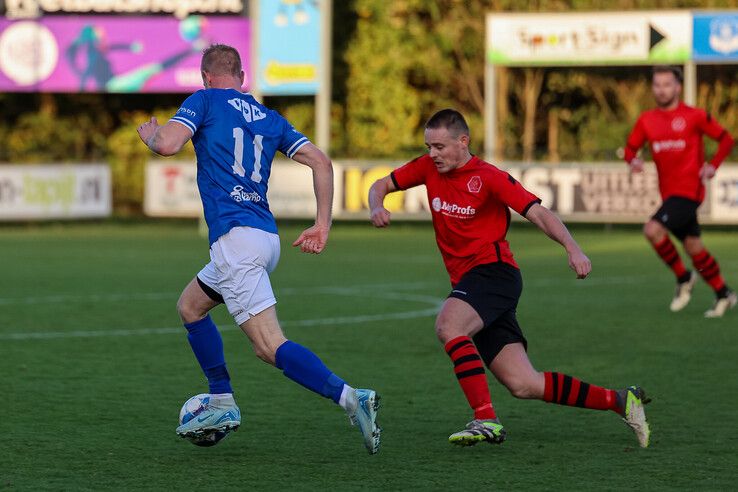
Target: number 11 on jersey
<point>238,155</point>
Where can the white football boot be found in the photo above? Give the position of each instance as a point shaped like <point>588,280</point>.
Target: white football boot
<point>721,305</point>
<point>683,293</point>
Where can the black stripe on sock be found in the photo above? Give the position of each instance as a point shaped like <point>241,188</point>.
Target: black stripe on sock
<point>471,372</point>
<point>665,248</point>
<point>582,396</point>
<point>555,378</point>
<point>565,390</point>
<point>456,347</point>
<point>467,358</point>
<point>671,259</point>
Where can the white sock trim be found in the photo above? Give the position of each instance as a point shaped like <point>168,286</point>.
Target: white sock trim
<point>348,399</point>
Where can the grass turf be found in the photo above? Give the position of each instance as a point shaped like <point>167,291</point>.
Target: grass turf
<point>96,366</point>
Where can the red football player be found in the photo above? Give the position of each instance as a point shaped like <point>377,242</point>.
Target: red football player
<point>470,201</point>
<point>674,132</point>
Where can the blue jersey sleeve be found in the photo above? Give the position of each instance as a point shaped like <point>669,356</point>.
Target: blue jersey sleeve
<point>291,139</point>
<point>192,111</point>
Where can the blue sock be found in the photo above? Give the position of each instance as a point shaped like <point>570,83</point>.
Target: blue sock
<point>207,345</point>
<point>304,367</point>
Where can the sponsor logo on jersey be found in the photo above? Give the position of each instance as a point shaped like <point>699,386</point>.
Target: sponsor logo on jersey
<point>243,196</point>
<point>668,145</point>
<point>452,209</point>
<point>249,111</point>
<point>187,111</point>
<point>474,184</point>
<point>678,124</point>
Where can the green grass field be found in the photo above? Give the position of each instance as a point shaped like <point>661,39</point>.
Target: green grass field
<point>96,366</point>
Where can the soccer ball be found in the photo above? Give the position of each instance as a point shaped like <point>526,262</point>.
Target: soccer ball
<point>191,409</point>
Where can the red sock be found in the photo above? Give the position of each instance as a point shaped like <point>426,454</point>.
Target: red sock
<point>566,390</point>
<point>666,250</point>
<point>708,267</point>
<point>470,372</point>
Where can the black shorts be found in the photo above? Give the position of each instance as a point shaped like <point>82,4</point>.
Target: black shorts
<point>679,215</point>
<point>493,290</point>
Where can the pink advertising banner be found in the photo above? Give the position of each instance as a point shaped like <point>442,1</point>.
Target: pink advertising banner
<point>113,54</point>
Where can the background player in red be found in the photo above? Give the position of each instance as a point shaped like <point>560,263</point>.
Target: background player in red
<point>469,199</point>
<point>674,131</point>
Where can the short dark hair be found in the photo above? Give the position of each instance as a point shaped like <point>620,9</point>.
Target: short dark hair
<point>221,59</point>
<point>675,71</point>
<point>449,119</point>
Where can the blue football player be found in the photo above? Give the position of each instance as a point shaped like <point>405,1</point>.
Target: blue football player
<point>235,139</point>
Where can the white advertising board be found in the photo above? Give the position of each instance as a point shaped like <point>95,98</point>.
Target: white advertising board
<point>575,191</point>
<point>171,190</point>
<point>54,191</point>
<point>638,37</point>
<point>724,195</point>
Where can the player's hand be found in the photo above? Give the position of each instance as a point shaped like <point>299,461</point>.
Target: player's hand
<point>636,165</point>
<point>707,171</point>
<point>579,262</point>
<point>380,217</point>
<point>147,130</point>
<point>313,239</point>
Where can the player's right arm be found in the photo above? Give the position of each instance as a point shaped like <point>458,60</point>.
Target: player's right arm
<point>407,176</point>
<point>379,215</point>
<point>166,139</point>
<point>169,139</point>
<point>635,141</point>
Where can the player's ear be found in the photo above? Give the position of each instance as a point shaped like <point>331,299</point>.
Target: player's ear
<point>243,77</point>
<point>205,79</point>
<point>464,139</point>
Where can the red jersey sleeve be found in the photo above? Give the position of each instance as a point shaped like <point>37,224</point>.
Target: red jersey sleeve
<point>715,131</point>
<point>510,192</point>
<point>411,174</point>
<point>635,141</point>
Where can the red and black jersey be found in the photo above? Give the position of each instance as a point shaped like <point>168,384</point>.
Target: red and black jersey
<point>675,138</point>
<point>470,210</point>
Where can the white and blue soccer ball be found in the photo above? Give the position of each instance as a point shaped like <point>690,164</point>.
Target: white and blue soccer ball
<point>191,409</point>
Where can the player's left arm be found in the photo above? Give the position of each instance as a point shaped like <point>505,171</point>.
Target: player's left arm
<point>715,131</point>
<point>166,139</point>
<point>549,223</point>
<point>314,239</point>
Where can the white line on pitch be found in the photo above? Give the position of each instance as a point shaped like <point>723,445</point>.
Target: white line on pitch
<point>366,318</point>
<point>157,296</point>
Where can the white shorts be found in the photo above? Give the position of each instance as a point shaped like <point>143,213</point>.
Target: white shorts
<point>240,263</point>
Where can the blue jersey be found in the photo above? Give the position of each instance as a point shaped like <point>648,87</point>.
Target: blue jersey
<point>235,139</point>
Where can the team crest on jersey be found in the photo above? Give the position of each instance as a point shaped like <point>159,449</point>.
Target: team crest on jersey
<point>474,184</point>
<point>678,124</point>
<point>436,204</point>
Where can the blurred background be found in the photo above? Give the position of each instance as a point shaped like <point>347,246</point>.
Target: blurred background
<point>553,83</point>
